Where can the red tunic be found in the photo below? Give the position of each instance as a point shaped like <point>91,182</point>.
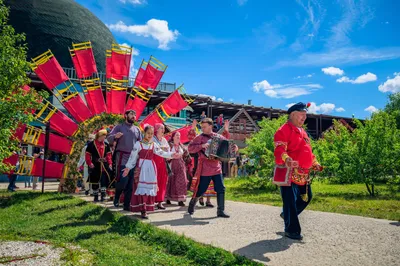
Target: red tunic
<point>291,141</point>
<point>208,167</point>
<point>100,147</point>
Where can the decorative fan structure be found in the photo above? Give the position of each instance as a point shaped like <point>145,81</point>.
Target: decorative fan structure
<point>118,98</point>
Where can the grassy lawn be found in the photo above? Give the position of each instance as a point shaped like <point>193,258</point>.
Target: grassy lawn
<point>348,199</point>
<point>107,238</point>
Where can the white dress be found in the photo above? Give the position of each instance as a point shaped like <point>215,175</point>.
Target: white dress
<point>148,174</point>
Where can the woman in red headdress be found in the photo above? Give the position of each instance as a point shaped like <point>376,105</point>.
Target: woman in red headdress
<point>161,164</point>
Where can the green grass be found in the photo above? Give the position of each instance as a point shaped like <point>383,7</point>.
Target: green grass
<point>105,237</point>
<point>347,199</point>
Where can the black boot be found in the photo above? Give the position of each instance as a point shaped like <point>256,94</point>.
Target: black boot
<point>103,196</point>
<point>192,204</point>
<point>221,205</point>
<point>96,197</point>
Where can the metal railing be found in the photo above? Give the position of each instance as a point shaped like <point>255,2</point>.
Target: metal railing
<point>162,86</point>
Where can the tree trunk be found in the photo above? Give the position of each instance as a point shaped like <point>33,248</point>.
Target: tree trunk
<point>369,190</point>
<point>373,189</point>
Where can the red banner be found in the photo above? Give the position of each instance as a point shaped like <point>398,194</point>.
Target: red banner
<point>136,104</point>
<point>151,120</point>
<point>56,143</point>
<point>174,103</point>
<point>120,65</point>
<point>139,77</point>
<point>149,77</point>
<point>63,124</point>
<point>52,169</point>
<point>95,101</point>
<point>51,73</point>
<point>118,99</point>
<point>108,101</point>
<point>109,69</point>
<point>12,160</point>
<point>184,131</point>
<point>78,109</point>
<point>84,63</point>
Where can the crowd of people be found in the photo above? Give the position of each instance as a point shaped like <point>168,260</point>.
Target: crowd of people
<point>151,172</point>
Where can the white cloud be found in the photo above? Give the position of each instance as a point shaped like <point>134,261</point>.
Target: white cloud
<point>305,76</point>
<point>391,85</point>
<point>241,2</point>
<point>371,109</point>
<point>332,71</point>
<point>134,2</point>
<point>340,109</point>
<point>341,56</point>
<point>315,14</point>
<point>324,108</point>
<point>214,98</point>
<point>359,80</point>
<point>154,28</point>
<point>355,13</point>
<point>286,91</point>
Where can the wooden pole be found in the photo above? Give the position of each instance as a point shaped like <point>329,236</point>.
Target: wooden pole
<point>46,148</point>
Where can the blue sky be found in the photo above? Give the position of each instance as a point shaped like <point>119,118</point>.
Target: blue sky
<point>341,55</point>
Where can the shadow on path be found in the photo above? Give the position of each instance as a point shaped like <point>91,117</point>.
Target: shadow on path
<point>257,250</point>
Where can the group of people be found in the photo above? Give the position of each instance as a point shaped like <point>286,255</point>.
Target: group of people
<point>150,171</point>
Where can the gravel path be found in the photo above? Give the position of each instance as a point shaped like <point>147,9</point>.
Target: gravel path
<point>256,231</point>
<point>29,253</point>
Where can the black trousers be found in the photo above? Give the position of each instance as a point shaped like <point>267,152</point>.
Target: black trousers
<point>125,184</point>
<point>205,182</point>
<point>293,205</point>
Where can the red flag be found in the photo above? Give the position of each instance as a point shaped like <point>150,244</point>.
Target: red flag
<point>174,103</point>
<point>51,73</point>
<point>78,109</point>
<point>84,63</point>
<point>136,104</point>
<point>52,170</point>
<point>151,120</point>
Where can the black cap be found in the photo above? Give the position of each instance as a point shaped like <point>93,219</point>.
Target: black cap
<point>130,111</point>
<point>298,107</point>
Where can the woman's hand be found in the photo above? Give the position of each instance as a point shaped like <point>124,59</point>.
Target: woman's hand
<point>125,172</point>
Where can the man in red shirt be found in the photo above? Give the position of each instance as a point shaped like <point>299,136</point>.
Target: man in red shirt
<point>293,149</point>
<point>208,168</point>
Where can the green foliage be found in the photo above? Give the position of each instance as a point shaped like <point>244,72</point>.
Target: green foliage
<point>15,104</point>
<point>369,154</point>
<point>350,199</point>
<point>89,127</point>
<point>261,146</point>
<point>110,238</point>
<point>393,107</point>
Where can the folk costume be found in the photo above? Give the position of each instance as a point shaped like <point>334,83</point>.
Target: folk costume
<point>177,182</point>
<point>145,184</point>
<point>98,155</point>
<point>162,168</point>
<point>210,192</point>
<point>207,169</point>
<point>293,142</point>
<point>123,148</point>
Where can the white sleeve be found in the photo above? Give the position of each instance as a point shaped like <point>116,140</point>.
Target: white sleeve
<point>134,156</point>
<point>82,158</point>
<point>157,150</point>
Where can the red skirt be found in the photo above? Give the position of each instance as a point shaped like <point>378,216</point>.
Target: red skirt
<point>162,177</point>
<point>140,203</point>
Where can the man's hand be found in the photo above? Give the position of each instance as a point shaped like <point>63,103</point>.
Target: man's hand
<point>226,125</point>
<point>125,172</point>
<point>205,146</point>
<point>118,135</point>
<point>110,167</point>
<point>194,124</point>
<point>176,155</point>
<point>236,148</point>
<point>91,166</point>
<point>290,163</point>
<point>318,167</point>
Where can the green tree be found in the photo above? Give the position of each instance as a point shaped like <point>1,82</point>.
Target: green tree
<point>261,145</point>
<point>393,107</point>
<point>15,103</point>
<point>378,149</point>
